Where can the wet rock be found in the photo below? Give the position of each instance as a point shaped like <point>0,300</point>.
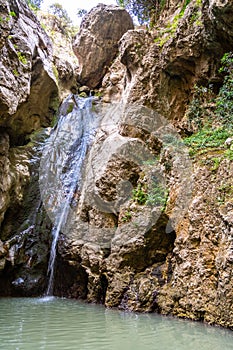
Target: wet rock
<point>25,229</point>
<point>5,176</point>
<point>96,44</point>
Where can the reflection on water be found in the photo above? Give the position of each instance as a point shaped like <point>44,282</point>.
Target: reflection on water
<point>61,324</point>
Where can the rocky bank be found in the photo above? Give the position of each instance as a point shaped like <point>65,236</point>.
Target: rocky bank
<point>153,227</point>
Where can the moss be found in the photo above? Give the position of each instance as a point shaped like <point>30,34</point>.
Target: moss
<point>83,94</point>
<point>55,72</point>
<point>15,72</point>
<point>70,108</point>
<point>22,58</point>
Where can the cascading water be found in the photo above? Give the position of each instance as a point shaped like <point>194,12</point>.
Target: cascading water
<point>62,163</point>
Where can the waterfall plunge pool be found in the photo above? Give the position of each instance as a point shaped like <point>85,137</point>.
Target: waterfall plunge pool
<point>63,324</point>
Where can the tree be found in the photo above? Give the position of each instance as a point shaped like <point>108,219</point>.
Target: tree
<point>81,12</point>
<point>34,3</point>
<point>144,10</point>
<point>57,10</point>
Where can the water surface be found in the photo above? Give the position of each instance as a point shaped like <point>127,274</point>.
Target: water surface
<point>62,324</point>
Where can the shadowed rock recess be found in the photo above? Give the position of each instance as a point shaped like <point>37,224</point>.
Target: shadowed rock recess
<point>151,225</point>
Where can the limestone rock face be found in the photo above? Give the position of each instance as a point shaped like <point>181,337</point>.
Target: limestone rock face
<point>64,60</point>
<point>5,176</point>
<point>96,44</point>
<point>201,284</point>
<point>28,93</point>
<point>162,66</point>
<point>28,85</point>
<point>25,228</point>
<point>180,261</point>
<point>221,12</point>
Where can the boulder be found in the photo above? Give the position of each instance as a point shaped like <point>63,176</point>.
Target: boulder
<point>96,44</point>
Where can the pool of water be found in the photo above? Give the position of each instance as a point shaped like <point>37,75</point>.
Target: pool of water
<point>62,324</point>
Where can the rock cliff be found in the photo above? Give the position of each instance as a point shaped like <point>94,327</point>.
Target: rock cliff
<point>26,72</point>
<point>96,44</point>
<point>152,230</point>
<point>28,100</point>
<point>65,62</point>
<point>166,246</point>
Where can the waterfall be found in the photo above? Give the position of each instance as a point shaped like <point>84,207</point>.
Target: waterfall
<point>61,166</point>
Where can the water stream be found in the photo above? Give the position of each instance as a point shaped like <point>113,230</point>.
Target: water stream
<point>62,324</point>
<point>61,166</point>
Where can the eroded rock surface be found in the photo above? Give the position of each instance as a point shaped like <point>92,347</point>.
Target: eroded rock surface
<point>28,98</point>
<point>96,44</point>
<point>162,66</point>
<point>152,230</point>
<point>182,263</point>
<point>26,72</point>
<point>64,60</point>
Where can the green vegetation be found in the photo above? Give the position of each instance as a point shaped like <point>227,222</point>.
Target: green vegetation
<point>198,113</point>
<point>57,10</point>
<point>15,72</point>
<point>212,118</point>
<point>7,18</point>
<point>207,138</point>
<point>34,4</point>
<point>224,101</point>
<point>127,216</point>
<point>81,12</point>
<point>70,108</point>
<point>22,58</point>
<point>12,14</point>
<point>66,24</point>
<point>151,161</point>
<point>139,194</point>
<point>156,195</point>
<point>55,72</point>
<point>145,10</point>
<point>225,193</point>
<point>169,31</point>
<point>229,154</point>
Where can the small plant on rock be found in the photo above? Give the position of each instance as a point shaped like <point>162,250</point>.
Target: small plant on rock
<point>139,194</point>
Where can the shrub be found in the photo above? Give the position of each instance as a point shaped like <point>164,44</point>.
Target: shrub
<point>224,101</point>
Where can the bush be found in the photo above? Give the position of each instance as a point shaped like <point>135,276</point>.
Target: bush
<point>34,4</point>
<point>224,101</point>
<point>144,10</point>
<point>207,138</point>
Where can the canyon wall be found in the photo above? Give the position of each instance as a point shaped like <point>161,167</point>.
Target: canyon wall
<point>152,230</point>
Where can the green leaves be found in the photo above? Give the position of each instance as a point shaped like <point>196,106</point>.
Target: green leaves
<point>207,138</point>
<point>144,10</point>
<point>34,4</point>
<point>57,10</point>
<point>224,101</point>
<point>156,195</point>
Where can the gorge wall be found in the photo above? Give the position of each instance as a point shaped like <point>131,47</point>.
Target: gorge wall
<point>153,227</point>
<point>28,100</point>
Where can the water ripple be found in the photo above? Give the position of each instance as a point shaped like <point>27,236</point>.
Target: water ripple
<point>61,324</point>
